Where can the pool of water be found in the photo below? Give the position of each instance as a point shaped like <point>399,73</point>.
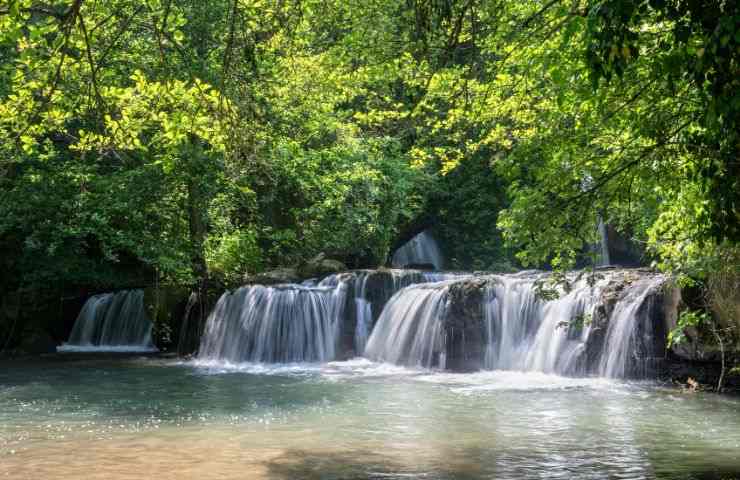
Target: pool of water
<point>167,419</point>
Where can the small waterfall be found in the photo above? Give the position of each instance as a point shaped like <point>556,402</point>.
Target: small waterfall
<point>527,333</point>
<point>364,322</point>
<point>112,321</point>
<point>604,244</point>
<point>511,314</point>
<point>372,290</point>
<point>314,321</point>
<point>410,330</point>
<point>422,249</point>
<point>630,343</point>
<point>520,331</point>
<point>598,325</point>
<point>284,323</point>
<point>566,335</point>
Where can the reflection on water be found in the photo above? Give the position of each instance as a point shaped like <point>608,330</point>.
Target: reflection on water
<point>151,418</point>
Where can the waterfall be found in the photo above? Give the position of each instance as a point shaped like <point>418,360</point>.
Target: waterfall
<point>364,319</point>
<point>285,323</point>
<point>630,343</point>
<point>604,244</point>
<point>526,333</point>
<point>112,321</point>
<point>599,323</point>
<point>565,335</point>
<point>422,249</point>
<point>409,331</point>
<point>315,321</point>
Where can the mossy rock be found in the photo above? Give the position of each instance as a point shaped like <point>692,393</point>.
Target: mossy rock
<point>164,306</point>
<point>320,266</point>
<point>274,277</point>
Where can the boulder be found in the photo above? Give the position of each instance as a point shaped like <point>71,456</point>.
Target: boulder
<point>274,277</point>
<point>464,326</point>
<point>320,266</point>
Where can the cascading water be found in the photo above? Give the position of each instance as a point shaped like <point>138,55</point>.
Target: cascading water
<point>630,338</point>
<point>409,331</point>
<point>521,330</point>
<point>422,249</point>
<point>314,321</point>
<point>598,324</point>
<point>112,321</point>
<point>364,319</point>
<point>285,323</point>
<point>605,259</point>
<point>526,333</point>
<point>565,335</point>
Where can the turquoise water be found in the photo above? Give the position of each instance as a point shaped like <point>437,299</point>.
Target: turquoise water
<point>122,418</point>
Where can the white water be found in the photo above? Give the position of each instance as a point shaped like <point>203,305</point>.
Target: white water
<point>422,249</point>
<point>364,321</point>
<point>286,323</point>
<point>115,322</point>
<point>301,323</point>
<point>622,336</point>
<point>524,332</point>
<point>409,331</point>
<point>518,330</point>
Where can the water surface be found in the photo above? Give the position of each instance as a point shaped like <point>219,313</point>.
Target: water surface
<point>165,419</point>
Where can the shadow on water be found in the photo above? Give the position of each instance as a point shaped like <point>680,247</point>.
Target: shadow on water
<point>466,464</point>
<point>357,465</point>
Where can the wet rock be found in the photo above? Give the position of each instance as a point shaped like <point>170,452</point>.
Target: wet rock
<point>380,285</point>
<point>464,326</point>
<point>595,340</point>
<point>274,277</point>
<point>164,306</point>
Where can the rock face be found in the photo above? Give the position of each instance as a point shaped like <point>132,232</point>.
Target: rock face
<point>318,267</point>
<point>463,326</point>
<point>165,305</point>
<point>421,266</point>
<point>378,286</point>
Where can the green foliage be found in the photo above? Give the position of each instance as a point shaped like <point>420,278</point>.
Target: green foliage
<point>687,319</point>
<point>234,253</point>
<point>346,199</point>
<point>182,140</point>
